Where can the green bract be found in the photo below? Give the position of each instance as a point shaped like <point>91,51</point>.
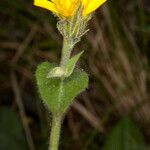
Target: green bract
<point>71,64</point>
<point>58,93</point>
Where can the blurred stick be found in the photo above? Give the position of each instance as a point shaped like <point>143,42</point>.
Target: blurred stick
<point>24,44</point>
<point>93,120</point>
<point>22,113</point>
<point>9,44</point>
<point>72,126</point>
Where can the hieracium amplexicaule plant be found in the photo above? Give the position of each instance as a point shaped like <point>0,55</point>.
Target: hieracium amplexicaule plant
<point>59,84</point>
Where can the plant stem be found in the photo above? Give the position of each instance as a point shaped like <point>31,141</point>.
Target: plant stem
<point>66,52</point>
<point>56,121</point>
<point>55,133</point>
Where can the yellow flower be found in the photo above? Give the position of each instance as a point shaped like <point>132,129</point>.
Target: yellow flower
<point>67,8</point>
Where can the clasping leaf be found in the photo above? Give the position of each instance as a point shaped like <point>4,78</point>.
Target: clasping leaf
<point>58,93</point>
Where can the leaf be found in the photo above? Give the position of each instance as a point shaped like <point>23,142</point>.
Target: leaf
<point>55,72</point>
<point>71,64</point>
<point>56,93</point>
<point>11,131</point>
<point>124,136</point>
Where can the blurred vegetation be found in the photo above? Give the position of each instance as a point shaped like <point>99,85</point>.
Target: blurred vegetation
<point>117,59</point>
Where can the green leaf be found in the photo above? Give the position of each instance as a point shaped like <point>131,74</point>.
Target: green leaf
<point>59,93</point>
<point>55,72</point>
<point>11,131</point>
<point>124,136</point>
<point>71,64</point>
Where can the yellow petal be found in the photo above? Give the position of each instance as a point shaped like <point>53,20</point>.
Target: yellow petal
<point>84,2</point>
<point>67,3</point>
<point>46,4</point>
<point>91,5</point>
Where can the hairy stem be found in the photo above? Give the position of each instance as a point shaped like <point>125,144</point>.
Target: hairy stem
<point>55,133</point>
<point>56,121</point>
<point>66,52</point>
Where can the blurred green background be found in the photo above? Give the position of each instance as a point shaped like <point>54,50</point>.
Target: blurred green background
<point>113,113</point>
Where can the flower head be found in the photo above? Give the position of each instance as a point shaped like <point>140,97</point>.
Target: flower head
<point>67,8</point>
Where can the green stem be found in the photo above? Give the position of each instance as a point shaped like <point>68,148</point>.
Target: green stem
<point>55,133</point>
<point>56,121</point>
<point>66,52</point>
